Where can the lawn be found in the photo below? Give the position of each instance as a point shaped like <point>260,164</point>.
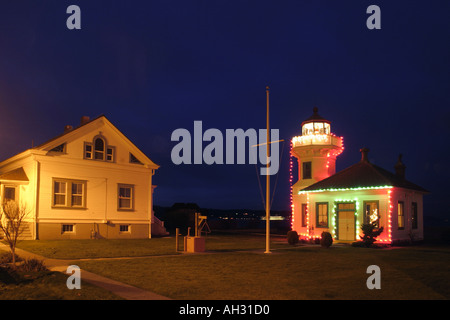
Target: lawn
<point>300,273</point>
<point>105,248</point>
<point>48,286</point>
<point>31,280</point>
<point>235,267</point>
<point>112,248</point>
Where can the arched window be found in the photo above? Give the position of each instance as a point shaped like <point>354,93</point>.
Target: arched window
<point>99,149</point>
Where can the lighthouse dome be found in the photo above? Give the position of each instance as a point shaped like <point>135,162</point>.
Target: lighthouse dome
<point>316,124</point>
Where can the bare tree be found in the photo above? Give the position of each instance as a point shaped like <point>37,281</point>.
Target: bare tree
<point>12,217</point>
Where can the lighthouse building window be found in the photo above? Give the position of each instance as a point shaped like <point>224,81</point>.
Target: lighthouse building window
<point>306,172</point>
<point>322,215</point>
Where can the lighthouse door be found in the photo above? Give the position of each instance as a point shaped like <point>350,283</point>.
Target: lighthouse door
<point>346,221</point>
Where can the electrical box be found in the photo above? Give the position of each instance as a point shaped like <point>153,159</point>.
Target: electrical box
<point>194,244</point>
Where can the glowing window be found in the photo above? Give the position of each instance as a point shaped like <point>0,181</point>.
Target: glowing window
<point>322,215</point>
<point>401,215</point>
<point>371,213</point>
<point>304,214</point>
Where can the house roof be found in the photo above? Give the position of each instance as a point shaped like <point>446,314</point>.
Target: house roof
<point>68,129</point>
<point>14,175</point>
<point>84,122</point>
<point>363,175</point>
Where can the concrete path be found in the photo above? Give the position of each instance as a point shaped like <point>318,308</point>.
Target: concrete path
<point>121,289</point>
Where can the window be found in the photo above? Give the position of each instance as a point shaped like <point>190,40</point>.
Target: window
<point>110,154</point>
<point>306,170</point>
<point>124,228</point>
<point>371,213</point>
<point>77,194</point>
<point>133,159</point>
<point>99,150</point>
<point>61,148</point>
<point>414,221</point>
<point>9,194</point>
<point>401,215</point>
<point>87,150</point>
<point>304,214</point>
<point>69,193</point>
<point>59,193</point>
<point>125,197</point>
<point>322,215</point>
<point>67,228</point>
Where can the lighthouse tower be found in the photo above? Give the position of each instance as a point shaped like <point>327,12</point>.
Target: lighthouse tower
<point>316,151</point>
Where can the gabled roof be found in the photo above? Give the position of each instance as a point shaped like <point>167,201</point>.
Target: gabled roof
<point>69,130</point>
<point>42,145</point>
<point>14,175</point>
<point>363,175</point>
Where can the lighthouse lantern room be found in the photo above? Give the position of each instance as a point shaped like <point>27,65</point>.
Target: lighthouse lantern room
<point>316,151</point>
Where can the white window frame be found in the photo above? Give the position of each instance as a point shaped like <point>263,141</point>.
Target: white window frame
<point>131,198</point>
<point>67,224</point>
<point>68,203</point>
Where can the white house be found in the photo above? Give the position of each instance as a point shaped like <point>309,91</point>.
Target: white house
<point>89,182</point>
<point>339,203</point>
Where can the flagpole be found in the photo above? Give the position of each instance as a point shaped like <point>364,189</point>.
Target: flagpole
<point>267,179</point>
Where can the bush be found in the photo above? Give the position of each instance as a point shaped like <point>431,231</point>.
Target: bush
<point>33,265</point>
<point>326,240</point>
<point>292,237</point>
<point>369,234</point>
<point>6,257</point>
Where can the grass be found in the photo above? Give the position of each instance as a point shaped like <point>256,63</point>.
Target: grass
<point>301,273</point>
<point>32,281</point>
<point>47,286</point>
<point>236,268</point>
<point>112,248</point>
<point>105,248</point>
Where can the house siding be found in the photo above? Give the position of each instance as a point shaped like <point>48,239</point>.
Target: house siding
<point>83,230</point>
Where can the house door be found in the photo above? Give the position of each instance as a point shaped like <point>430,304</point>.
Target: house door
<point>346,221</point>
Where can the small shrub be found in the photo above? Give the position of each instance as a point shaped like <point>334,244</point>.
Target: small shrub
<point>6,257</point>
<point>292,237</point>
<point>326,240</point>
<point>33,265</point>
<point>370,234</point>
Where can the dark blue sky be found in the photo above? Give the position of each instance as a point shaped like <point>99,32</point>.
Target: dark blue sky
<point>154,66</point>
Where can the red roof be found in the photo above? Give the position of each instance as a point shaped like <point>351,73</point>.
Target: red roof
<point>363,174</point>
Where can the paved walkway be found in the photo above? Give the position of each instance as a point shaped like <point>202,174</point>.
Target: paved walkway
<point>121,289</point>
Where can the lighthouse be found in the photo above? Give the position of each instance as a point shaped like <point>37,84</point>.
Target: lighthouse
<point>316,150</point>
<point>340,203</point>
